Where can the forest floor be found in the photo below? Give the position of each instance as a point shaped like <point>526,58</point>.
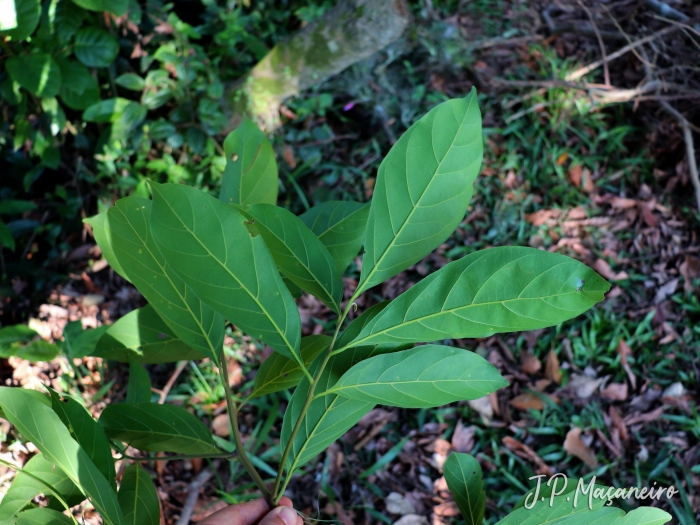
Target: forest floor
<point>611,394</point>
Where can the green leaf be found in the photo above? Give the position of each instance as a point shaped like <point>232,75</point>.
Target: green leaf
<point>157,428</point>
<point>12,206</point>
<point>423,377</point>
<point>293,288</point>
<point>144,336</point>
<point>130,81</point>
<point>43,517</point>
<point>37,73</point>
<point>95,47</point>
<point>66,21</point>
<point>644,516</point>
<point>250,176</point>
<point>340,226</point>
<point>19,333</point>
<point>35,351</point>
<point>423,188</point>
<point>504,289</point>
<point>42,426</point>
<point>192,321</point>
<point>465,481</point>
<point>79,89</point>
<point>87,432</point>
<point>108,110</point>
<point>117,7</point>
<point>28,14</point>
<point>281,373</point>
<point>98,223</point>
<point>25,488</point>
<point>298,253</point>
<point>139,386</point>
<point>138,497</point>
<point>228,267</point>
<point>6,239</point>
<point>84,343</point>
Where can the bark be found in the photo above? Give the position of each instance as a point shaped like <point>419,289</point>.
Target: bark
<point>348,33</point>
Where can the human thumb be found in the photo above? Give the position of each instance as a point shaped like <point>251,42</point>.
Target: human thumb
<point>280,516</point>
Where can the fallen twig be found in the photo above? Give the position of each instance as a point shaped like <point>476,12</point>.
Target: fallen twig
<point>689,146</point>
<point>166,389</point>
<point>617,54</point>
<point>193,495</point>
<point>606,71</point>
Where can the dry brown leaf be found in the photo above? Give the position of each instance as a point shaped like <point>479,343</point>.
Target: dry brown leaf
<point>220,425</point>
<point>574,446</point>
<point>552,370</point>
<point>615,392</point>
<point>463,437</point>
<point>482,406</point>
<point>577,213</point>
<point>618,423</point>
<point>583,386</point>
<point>624,350</point>
<point>540,217</point>
<point>562,158</point>
<point>288,154</point>
<point>525,452</point>
<point>576,174</point>
<point>603,268</point>
<point>690,270</point>
<point>529,363</point>
<point>446,510</point>
<point>621,203</point>
<point>654,415</point>
<point>527,401</point>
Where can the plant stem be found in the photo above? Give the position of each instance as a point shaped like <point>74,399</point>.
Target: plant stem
<point>226,455</point>
<point>235,431</point>
<point>277,493</point>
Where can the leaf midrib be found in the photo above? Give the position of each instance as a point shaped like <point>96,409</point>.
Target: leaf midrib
<point>274,324</point>
<point>358,342</point>
<point>362,285</point>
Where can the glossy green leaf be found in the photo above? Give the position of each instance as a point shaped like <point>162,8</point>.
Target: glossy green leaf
<point>144,336</point>
<point>130,81</point>
<point>250,175</point>
<point>28,13</point>
<point>41,516</point>
<point>79,89</point>
<point>298,253</point>
<point>293,288</point>
<point>38,73</point>
<point>423,189</point>
<point>504,289</point>
<point>95,47</point>
<point>329,416</point>
<point>423,377</point>
<point>340,226</point>
<point>157,428</point>
<point>25,488</point>
<point>280,373</point>
<point>138,389</point>
<point>116,7</point>
<point>228,267</point>
<point>66,21</point>
<point>19,333</point>
<point>87,432</point>
<point>98,223</point>
<point>138,497</point>
<point>42,426</point>
<point>175,302</point>
<point>35,351</point>
<point>107,110</point>
<point>84,343</point>
<point>465,481</point>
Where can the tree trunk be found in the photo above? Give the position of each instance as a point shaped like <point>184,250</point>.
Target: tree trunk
<point>351,31</point>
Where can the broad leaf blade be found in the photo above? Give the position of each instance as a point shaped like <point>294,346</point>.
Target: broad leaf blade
<point>41,516</point>
<point>228,267</point>
<point>25,488</point>
<point>340,226</point>
<point>98,223</point>
<point>87,432</point>
<point>157,428</point>
<point>139,386</point>
<point>423,189</point>
<point>298,253</point>
<point>138,497</point>
<point>250,176</point>
<point>423,377</point>
<point>280,373</point>
<point>465,481</point>
<point>644,516</point>
<point>40,424</point>
<point>504,289</point>
<point>143,335</point>
<point>174,301</point>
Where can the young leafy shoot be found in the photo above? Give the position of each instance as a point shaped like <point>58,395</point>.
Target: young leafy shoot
<point>465,480</point>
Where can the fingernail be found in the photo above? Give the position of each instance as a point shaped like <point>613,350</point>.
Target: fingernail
<point>288,515</point>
